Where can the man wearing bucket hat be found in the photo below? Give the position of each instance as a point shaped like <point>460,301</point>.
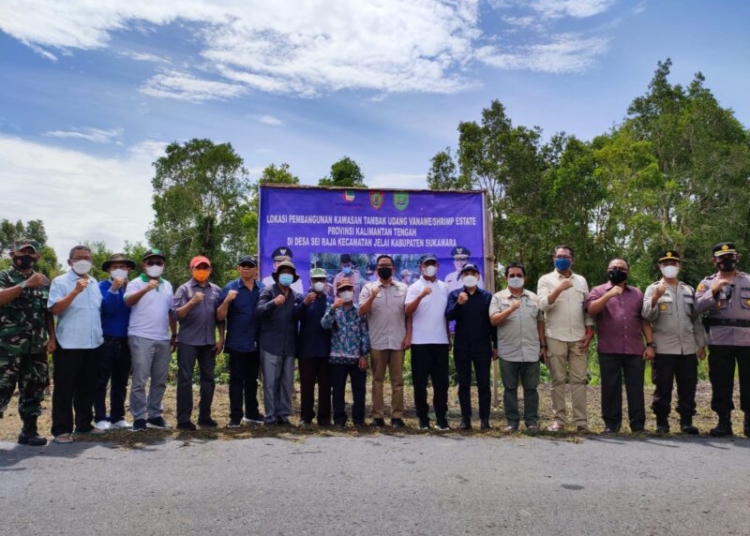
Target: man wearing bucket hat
<point>278,310</point>
<point>679,340</point>
<point>27,334</point>
<point>725,296</point>
<point>114,358</point>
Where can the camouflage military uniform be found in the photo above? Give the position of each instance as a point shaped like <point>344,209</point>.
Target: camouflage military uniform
<point>23,345</point>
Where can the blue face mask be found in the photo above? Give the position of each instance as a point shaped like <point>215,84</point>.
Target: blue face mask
<point>286,279</point>
<point>347,270</point>
<point>563,264</point>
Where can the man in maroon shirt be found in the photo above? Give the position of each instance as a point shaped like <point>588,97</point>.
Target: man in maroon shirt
<point>616,308</point>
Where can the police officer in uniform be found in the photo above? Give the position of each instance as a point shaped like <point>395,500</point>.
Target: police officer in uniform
<point>679,340</point>
<point>725,295</point>
<point>279,255</point>
<point>454,280</point>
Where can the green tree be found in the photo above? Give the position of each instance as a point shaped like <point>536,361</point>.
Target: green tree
<point>344,173</point>
<point>201,195</point>
<point>99,253</point>
<point>10,232</point>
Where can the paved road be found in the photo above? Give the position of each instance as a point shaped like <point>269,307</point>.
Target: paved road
<point>380,485</point>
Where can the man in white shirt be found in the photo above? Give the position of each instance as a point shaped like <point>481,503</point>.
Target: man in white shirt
<point>426,301</point>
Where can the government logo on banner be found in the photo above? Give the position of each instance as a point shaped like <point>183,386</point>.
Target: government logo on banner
<point>348,195</point>
<point>376,200</point>
<point>401,200</point>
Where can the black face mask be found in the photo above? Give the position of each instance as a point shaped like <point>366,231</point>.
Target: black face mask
<point>385,273</point>
<point>727,265</point>
<point>24,262</point>
<point>617,276</point>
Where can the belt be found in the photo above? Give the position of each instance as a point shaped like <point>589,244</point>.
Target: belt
<point>729,322</point>
<point>115,339</point>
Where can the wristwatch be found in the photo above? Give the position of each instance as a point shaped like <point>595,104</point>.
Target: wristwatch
<point>23,284</point>
<point>651,344</point>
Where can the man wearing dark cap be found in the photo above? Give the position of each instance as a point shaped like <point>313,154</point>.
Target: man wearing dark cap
<point>238,301</point>
<point>349,271</point>
<point>426,301</point>
<point>278,310</point>
<point>474,343</point>
<point>195,305</point>
<point>27,334</point>
<point>725,296</point>
<point>460,259</point>
<point>279,255</point>
<point>114,357</point>
<point>679,341</point>
<point>150,298</point>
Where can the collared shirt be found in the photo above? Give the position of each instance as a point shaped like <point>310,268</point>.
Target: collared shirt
<point>198,327</point>
<point>115,314</point>
<point>79,326</point>
<point>518,336</point>
<point>243,325</point>
<point>565,320</point>
<point>278,325</point>
<point>149,318</point>
<point>677,326</point>
<point>731,303</point>
<point>386,320</point>
<point>473,332</point>
<point>314,340</point>
<point>349,338</point>
<point>619,328</point>
<point>23,327</point>
<point>428,325</point>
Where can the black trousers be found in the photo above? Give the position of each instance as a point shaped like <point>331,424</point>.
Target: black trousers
<point>187,355</point>
<point>243,384</point>
<point>74,377</point>
<point>665,369</point>
<point>721,364</point>
<point>339,375</point>
<point>430,361</point>
<point>481,363</point>
<point>114,365</point>
<point>612,368</point>
<point>311,371</point>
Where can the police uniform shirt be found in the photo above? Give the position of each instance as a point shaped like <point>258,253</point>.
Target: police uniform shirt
<point>730,306</point>
<point>677,326</point>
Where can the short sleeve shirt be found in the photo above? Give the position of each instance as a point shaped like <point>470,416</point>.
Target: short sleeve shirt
<point>149,318</point>
<point>80,325</point>
<point>428,321</point>
<point>386,319</point>
<point>518,336</point>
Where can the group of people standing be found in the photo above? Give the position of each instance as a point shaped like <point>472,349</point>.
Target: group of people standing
<point>105,331</point>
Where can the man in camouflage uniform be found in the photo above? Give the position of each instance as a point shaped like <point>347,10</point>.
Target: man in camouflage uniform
<point>24,342</point>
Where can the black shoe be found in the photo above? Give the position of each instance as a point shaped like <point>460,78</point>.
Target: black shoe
<point>746,427</point>
<point>377,423</point>
<point>465,424</point>
<point>359,424</point>
<point>325,424</point>
<point>724,428</point>
<point>398,424</point>
<point>611,430</point>
<point>442,425</point>
<point>271,423</point>
<point>424,424</point>
<point>188,426</point>
<point>284,421</point>
<point>33,439</point>
<point>157,422</point>
<point>689,429</point>
<point>340,424</point>
<point>234,423</point>
<point>662,425</point>
<point>485,425</point>
<point>255,419</point>
<point>208,423</point>
<point>139,425</point>
<point>305,422</point>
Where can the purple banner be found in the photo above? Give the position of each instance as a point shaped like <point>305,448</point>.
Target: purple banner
<point>343,231</point>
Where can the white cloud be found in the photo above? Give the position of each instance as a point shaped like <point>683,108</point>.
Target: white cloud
<point>270,120</point>
<point>398,180</point>
<point>578,9</point>
<point>95,135</point>
<point>144,56</point>
<point>79,196</point>
<point>566,53</point>
<point>182,86</point>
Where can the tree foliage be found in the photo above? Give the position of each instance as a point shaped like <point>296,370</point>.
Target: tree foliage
<point>12,231</point>
<point>345,172</point>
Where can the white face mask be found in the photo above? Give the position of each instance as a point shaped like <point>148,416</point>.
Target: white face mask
<point>471,281</point>
<point>118,273</point>
<point>81,267</point>
<point>346,295</point>
<point>515,282</point>
<point>670,272</point>
<point>154,271</point>
<point>319,286</point>
<point>430,271</point>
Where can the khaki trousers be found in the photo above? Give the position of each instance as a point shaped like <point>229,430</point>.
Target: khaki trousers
<point>562,355</point>
<point>393,360</point>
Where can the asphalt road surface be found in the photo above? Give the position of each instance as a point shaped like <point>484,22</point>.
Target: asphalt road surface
<point>380,485</point>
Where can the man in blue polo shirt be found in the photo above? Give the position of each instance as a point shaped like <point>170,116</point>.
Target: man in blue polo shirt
<point>238,301</point>
<point>114,359</point>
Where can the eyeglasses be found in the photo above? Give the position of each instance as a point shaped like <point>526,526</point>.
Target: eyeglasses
<point>154,263</point>
<point>247,265</point>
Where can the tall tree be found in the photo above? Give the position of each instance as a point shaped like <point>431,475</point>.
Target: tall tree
<point>201,193</point>
<point>10,232</point>
<point>345,172</point>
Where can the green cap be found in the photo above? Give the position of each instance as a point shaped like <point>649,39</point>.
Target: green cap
<point>153,252</point>
<point>26,243</point>
<point>318,273</point>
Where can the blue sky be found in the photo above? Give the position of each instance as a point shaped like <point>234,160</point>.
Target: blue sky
<point>92,91</point>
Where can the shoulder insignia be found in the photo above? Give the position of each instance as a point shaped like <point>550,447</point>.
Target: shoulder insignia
<point>701,287</point>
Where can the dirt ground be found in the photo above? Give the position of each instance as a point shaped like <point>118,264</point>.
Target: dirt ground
<point>704,420</point>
